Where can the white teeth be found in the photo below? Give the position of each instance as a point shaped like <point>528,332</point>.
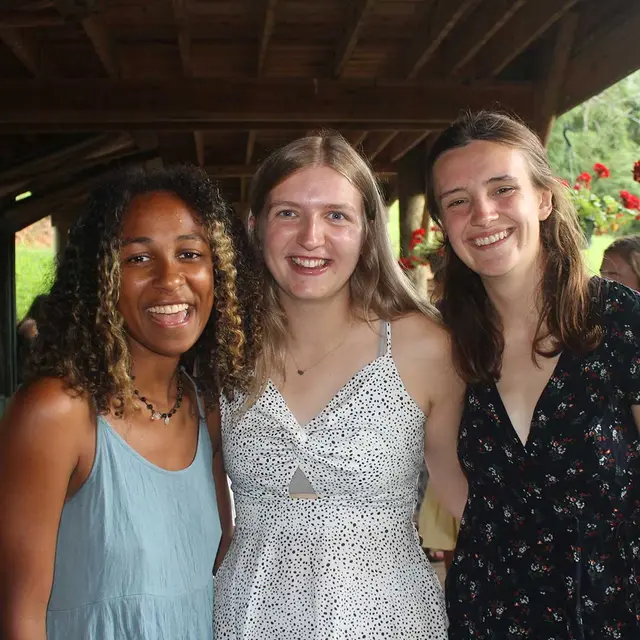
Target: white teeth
<point>169,308</point>
<point>483,242</point>
<point>309,263</point>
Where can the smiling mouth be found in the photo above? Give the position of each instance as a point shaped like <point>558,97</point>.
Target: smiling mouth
<point>309,263</point>
<point>170,315</point>
<point>492,239</point>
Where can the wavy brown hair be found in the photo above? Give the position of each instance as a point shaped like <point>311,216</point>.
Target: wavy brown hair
<point>628,248</point>
<point>567,311</point>
<point>378,287</point>
<point>81,333</point>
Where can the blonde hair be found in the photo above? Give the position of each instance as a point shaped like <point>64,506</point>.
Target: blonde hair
<point>378,287</point>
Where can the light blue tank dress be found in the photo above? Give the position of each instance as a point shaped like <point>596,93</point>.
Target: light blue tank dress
<point>136,547</point>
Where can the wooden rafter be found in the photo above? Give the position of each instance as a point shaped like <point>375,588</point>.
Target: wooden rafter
<point>184,35</point>
<point>375,142</point>
<point>553,75</point>
<point>248,157</point>
<point>353,137</point>
<point>402,144</point>
<point>85,11</point>
<point>359,12</point>
<point>526,26</point>
<point>29,19</point>
<point>24,48</point>
<point>133,105</point>
<point>475,30</point>
<point>265,35</point>
<point>441,18</point>
<point>593,69</point>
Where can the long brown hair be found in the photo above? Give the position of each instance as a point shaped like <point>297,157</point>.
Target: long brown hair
<point>378,287</point>
<point>565,297</point>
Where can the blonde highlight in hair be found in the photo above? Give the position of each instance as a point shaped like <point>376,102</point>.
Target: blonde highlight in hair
<point>567,316</point>
<point>378,287</point>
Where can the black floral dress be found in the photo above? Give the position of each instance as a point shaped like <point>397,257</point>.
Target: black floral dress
<point>549,545</point>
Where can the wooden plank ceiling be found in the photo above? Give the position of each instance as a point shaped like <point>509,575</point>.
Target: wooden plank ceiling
<point>86,85</point>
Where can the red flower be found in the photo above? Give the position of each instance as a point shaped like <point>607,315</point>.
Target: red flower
<point>406,263</point>
<point>585,178</point>
<point>601,170</point>
<point>418,233</point>
<point>434,228</point>
<point>577,186</point>
<point>629,200</point>
<point>636,171</point>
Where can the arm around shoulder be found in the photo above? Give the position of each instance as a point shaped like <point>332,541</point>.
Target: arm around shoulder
<point>40,444</point>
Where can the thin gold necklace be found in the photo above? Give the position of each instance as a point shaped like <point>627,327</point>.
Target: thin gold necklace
<point>301,371</point>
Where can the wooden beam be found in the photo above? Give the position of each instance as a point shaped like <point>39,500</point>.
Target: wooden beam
<point>265,35</point>
<point>29,19</point>
<point>180,15</point>
<point>375,142</point>
<point>527,25</point>
<point>144,104</point>
<point>438,21</point>
<point>358,13</point>
<point>251,143</point>
<point>198,139</point>
<point>593,69</point>
<point>553,76</point>
<point>402,144</point>
<point>24,48</point>
<point>354,138</point>
<point>475,30</point>
<point>102,43</point>
<point>247,170</point>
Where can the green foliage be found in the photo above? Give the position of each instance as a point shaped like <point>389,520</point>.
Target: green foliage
<point>604,129</point>
<point>34,273</point>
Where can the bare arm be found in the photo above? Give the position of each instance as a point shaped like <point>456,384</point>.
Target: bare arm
<point>223,495</point>
<point>441,438</point>
<point>39,450</point>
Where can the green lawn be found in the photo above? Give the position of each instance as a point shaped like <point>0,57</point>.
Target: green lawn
<point>34,270</point>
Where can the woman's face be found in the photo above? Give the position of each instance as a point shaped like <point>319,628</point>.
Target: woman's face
<point>615,267</point>
<point>312,233</point>
<point>166,282</point>
<point>490,208</point>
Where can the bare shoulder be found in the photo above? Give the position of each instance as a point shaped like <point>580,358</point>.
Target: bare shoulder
<point>48,410</point>
<point>420,337</point>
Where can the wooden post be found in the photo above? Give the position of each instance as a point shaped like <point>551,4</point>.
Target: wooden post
<point>8,355</point>
<point>411,199</point>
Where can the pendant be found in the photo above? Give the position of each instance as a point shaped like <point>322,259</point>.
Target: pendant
<point>155,415</point>
<point>300,372</point>
<point>166,420</point>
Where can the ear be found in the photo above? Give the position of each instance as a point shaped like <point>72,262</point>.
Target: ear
<point>546,204</point>
<point>251,224</point>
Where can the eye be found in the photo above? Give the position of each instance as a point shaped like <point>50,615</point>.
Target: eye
<point>137,259</point>
<point>190,255</point>
<point>285,213</point>
<point>455,203</point>
<point>504,190</point>
<point>337,215</point>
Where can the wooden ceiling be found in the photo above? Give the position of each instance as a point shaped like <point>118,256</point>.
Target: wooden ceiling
<point>86,85</point>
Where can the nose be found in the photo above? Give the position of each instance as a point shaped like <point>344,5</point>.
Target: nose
<point>169,275</point>
<point>483,213</point>
<point>311,233</point>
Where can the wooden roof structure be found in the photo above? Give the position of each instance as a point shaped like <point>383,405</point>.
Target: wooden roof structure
<point>86,85</point>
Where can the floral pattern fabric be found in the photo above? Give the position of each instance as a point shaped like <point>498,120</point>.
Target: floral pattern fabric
<point>549,545</point>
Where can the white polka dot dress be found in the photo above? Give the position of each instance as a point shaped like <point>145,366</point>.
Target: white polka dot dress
<point>347,565</point>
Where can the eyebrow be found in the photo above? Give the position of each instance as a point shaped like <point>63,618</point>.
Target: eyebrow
<point>287,203</point>
<point>147,240</point>
<point>501,178</point>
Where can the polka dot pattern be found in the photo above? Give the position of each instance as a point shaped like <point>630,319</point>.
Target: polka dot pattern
<point>347,565</point>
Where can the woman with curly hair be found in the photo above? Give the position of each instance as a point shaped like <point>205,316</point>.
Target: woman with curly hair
<point>109,519</point>
<point>549,543</point>
<point>621,262</point>
<point>354,387</point>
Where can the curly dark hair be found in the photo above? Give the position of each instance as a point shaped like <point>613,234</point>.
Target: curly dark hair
<point>81,334</point>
